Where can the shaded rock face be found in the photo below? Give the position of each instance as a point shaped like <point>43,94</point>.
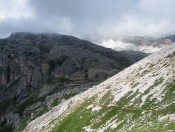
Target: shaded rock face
<point>28,60</point>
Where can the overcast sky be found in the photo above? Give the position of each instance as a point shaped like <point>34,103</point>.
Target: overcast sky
<point>89,18</point>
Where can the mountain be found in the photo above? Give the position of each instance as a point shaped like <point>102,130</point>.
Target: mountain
<point>148,41</point>
<point>139,40</point>
<point>139,98</point>
<point>38,71</point>
<point>137,43</point>
<point>171,37</point>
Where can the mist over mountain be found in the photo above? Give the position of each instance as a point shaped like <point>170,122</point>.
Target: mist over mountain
<point>137,43</point>
<point>87,66</point>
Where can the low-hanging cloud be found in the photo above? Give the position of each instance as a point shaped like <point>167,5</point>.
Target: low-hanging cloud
<point>89,19</point>
<point>119,45</point>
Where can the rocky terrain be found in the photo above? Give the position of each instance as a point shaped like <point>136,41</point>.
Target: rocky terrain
<point>155,42</point>
<point>137,43</point>
<point>38,71</point>
<point>139,98</point>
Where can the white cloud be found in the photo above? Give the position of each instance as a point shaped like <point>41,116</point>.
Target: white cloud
<point>119,46</point>
<point>89,19</point>
<point>14,9</point>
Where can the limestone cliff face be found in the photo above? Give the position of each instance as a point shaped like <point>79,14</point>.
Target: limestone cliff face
<point>28,60</point>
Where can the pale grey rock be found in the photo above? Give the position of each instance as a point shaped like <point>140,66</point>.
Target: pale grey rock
<point>63,64</point>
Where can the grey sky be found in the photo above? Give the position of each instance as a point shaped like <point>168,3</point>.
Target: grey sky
<point>88,18</point>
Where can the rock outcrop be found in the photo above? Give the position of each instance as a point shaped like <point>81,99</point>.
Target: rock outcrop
<point>47,63</point>
<point>139,98</point>
<point>27,60</point>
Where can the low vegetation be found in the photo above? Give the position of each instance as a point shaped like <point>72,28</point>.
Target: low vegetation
<point>122,113</point>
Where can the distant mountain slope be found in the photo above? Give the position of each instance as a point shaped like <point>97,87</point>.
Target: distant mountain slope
<point>37,71</point>
<point>171,37</point>
<point>137,43</point>
<point>139,98</point>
